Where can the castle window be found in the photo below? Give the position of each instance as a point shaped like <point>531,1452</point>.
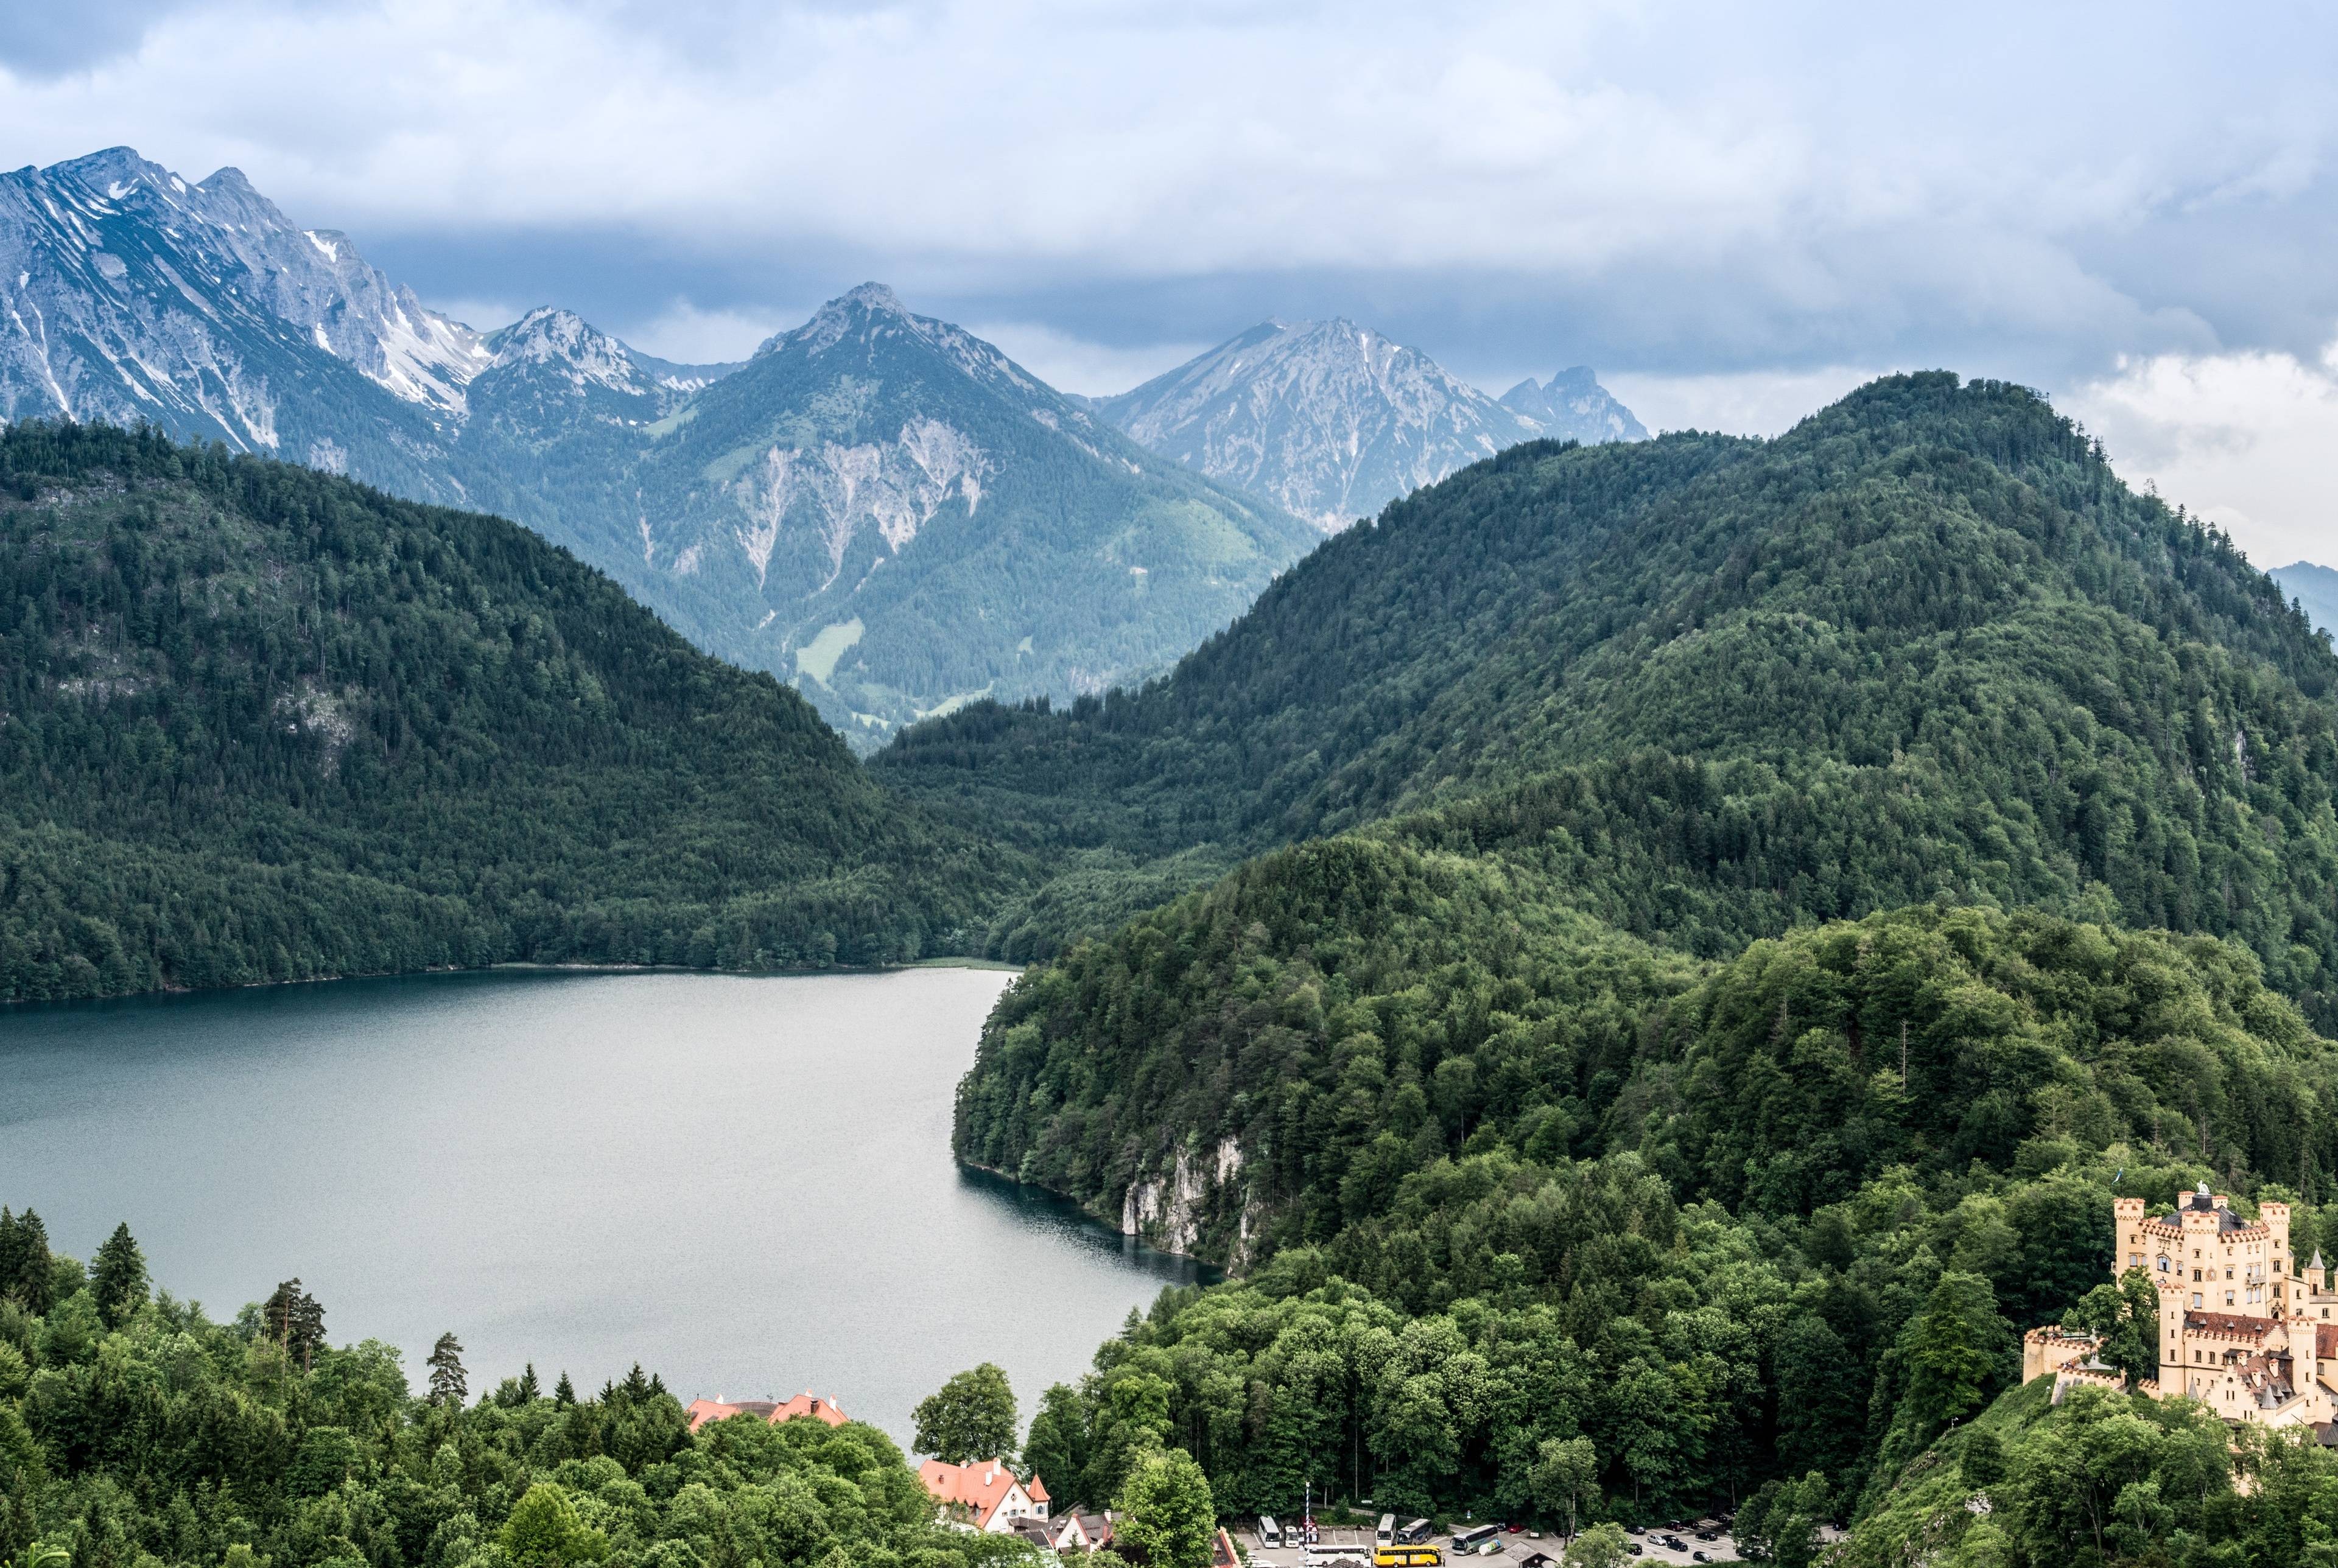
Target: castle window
<point>2163,1265</point>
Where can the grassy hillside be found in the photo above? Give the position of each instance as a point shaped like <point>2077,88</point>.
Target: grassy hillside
<point>1926,643</point>
<point>257,723</point>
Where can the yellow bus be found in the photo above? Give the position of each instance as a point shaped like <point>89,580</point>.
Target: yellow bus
<point>1408,1557</point>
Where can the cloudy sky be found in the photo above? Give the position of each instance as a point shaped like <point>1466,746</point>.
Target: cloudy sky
<point>1735,213</point>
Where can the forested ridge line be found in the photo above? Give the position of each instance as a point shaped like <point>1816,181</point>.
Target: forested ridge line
<point>259,723</point>
<point>1926,643</point>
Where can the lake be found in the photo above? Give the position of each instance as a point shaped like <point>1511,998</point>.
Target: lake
<point>743,1182</point>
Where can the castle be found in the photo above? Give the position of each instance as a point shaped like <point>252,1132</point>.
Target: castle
<point>2238,1330</point>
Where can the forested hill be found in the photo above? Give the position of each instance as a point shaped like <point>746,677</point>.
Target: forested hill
<point>1924,643</point>
<point>258,723</point>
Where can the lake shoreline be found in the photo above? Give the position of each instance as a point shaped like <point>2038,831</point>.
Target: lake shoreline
<point>525,965</point>
<point>743,1187</point>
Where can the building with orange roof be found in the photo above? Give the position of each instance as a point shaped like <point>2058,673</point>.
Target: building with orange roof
<point>2243,1328</point>
<point>983,1495</point>
<point>807,1403</point>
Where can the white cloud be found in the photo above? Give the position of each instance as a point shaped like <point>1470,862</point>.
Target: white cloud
<point>1724,196</point>
<point>1072,364</point>
<point>1778,149</point>
<point>685,333</point>
<point>1738,403</point>
<point>2243,439</point>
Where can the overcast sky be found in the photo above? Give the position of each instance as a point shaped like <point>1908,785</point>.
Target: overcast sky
<point>1735,213</point>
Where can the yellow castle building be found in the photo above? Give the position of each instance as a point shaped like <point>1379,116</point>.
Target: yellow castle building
<point>2241,1329</point>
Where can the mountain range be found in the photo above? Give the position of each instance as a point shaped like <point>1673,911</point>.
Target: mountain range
<point>878,506</point>
<point>1333,421</point>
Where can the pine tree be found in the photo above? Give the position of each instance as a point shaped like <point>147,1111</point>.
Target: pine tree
<point>447,1385</point>
<point>117,1278</point>
<point>564,1392</point>
<point>296,1321</point>
<point>528,1388</point>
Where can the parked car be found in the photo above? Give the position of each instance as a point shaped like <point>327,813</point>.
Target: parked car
<point>1698,1557</point>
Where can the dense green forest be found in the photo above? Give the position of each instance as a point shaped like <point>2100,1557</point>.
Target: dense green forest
<point>1925,643</point>
<point>258,723</point>
<point>137,1433</point>
<point>1536,1215</point>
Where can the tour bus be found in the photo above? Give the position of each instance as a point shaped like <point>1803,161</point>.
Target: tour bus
<point>1270,1534</point>
<point>1415,1532</point>
<point>1386,1534</point>
<point>1393,1556</point>
<point>1467,1541</point>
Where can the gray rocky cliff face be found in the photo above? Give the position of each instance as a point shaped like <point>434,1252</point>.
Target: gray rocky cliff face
<point>131,293</point>
<point>1573,406</point>
<point>1326,419</point>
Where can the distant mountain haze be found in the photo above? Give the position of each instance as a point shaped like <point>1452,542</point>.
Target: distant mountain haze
<point>1573,406</point>
<point>2314,587</point>
<point>878,506</point>
<point>1333,421</point>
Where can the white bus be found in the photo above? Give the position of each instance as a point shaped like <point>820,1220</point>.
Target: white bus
<point>1386,1534</point>
<point>1270,1534</point>
<point>1467,1541</point>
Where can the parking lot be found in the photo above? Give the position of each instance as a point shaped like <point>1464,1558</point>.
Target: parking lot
<point>1515,1549</point>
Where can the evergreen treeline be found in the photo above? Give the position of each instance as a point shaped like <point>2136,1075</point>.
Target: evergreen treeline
<point>258,723</point>
<point>136,1433</point>
<point>1926,643</point>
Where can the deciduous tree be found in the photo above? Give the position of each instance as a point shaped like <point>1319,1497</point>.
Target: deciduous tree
<point>969,1417</point>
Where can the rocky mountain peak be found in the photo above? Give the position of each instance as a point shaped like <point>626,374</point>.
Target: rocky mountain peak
<point>551,337</point>
<point>1326,418</point>
<point>1573,406</point>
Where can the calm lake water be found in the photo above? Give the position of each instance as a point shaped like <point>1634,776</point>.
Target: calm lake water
<point>745,1183</point>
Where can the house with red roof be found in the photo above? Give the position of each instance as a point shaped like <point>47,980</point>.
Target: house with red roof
<point>775,1411</point>
<point>983,1495</point>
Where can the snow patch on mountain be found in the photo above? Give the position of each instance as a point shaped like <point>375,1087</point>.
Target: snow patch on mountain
<point>167,285</point>
<point>562,342</point>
